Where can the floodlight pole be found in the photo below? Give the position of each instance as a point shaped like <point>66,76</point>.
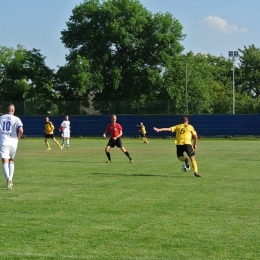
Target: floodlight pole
<point>186,87</point>
<point>233,55</point>
<point>233,88</point>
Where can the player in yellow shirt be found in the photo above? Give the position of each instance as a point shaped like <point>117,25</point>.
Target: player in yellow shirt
<point>49,128</point>
<point>184,134</point>
<point>143,132</point>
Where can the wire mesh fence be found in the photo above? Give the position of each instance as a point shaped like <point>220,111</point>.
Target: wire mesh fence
<point>158,107</point>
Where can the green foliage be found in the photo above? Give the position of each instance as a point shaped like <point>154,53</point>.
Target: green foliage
<point>127,47</point>
<point>12,80</point>
<point>221,95</point>
<point>73,80</point>
<point>249,81</point>
<point>24,75</point>
<point>70,204</point>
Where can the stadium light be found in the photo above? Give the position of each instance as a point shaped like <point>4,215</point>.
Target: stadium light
<point>233,55</point>
<point>186,87</point>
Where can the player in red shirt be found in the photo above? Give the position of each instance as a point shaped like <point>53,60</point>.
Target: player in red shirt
<point>115,131</point>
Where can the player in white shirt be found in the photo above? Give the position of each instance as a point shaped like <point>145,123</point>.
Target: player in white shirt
<point>65,129</point>
<point>11,131</point>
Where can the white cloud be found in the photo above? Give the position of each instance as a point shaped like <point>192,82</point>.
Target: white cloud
<point>220,25</point>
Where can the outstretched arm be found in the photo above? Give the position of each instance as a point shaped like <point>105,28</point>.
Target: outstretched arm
<point>162,129</point>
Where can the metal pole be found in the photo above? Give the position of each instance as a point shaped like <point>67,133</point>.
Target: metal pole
<point>233,88</point>
<point>186,87</point>
<point>233,55</point>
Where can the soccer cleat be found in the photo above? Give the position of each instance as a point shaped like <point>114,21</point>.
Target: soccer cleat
<point>131,161</point>
<point>187,163</point>
<point>61,147</point>
<point>197,174</point>
<point>68,146</point>
<point>9,184</point>
<point>109,161</point>
<point>48,149</point>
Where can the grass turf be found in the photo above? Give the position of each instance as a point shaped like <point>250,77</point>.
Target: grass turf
<point>71,204</point>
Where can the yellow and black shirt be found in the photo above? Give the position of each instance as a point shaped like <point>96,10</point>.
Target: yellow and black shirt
<point>49,127</point>
<point>184,133</point>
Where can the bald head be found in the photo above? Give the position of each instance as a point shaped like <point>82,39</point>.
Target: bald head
<point>10,108</point>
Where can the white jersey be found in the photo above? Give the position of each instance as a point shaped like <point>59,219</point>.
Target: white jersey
<point>66,126</point>
<point>9,125</point>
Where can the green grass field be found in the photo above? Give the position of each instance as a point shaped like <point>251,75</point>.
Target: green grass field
<point>71,204</point>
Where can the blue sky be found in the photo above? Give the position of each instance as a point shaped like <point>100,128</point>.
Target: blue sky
<point>211,26</point>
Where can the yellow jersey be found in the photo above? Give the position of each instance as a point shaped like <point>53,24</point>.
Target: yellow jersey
<point>143,131</point>
<point>49,127</point>
<point>184,133</point>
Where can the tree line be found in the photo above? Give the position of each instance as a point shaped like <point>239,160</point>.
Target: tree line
<point>121,52</point>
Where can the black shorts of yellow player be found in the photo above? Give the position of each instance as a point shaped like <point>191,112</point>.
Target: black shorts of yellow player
<point>49,136</point>
<point>185,148</point>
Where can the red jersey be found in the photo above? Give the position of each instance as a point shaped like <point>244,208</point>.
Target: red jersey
<point>114,129</point>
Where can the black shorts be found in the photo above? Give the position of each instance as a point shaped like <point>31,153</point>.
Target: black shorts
<point>143,135</point>
<point>49,135</point>
<point>112,143</point>
<point>186,148</point>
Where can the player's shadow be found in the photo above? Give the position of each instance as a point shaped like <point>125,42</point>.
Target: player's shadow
<point>81,161</point>
<point>171,175</point>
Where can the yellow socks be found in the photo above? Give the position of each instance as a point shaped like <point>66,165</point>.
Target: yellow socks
<point>194,165</point>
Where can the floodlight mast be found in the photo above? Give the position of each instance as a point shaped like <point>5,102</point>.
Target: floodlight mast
<point>233,55</point>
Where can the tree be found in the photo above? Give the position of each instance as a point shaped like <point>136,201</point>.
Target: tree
<point>24,76</point>
<point>12,81</point>
<point>127,47</point>
<point>195,72</point>
<point>249,79</point>
<point>221,98</point>
<point>72,84</point>
<point>39,76</point>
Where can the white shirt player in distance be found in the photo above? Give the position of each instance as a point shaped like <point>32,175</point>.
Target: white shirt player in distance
<point>65,129</point>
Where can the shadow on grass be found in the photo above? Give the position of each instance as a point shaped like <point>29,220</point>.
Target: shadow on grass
<point>174,175</point>
<point>80,161</point>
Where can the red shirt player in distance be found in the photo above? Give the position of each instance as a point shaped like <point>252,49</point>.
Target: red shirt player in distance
<point>115,131</point>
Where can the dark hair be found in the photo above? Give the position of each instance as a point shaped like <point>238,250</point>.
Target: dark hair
<point>185,119</point>
<point>8,107</point>
<point>9,104</point>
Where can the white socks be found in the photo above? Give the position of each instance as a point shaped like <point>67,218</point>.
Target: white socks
<point>8,169</point>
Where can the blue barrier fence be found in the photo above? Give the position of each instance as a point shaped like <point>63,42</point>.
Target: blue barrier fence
<point>205,125</point>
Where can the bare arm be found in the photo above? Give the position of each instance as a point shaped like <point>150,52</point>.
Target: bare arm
<point>20,132</point>
<point>195,138</point>
<point>162,129</point>
<point>118,136</point>
<point>105,133</point>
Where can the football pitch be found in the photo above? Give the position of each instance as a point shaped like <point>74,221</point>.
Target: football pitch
<point>71,204</point>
